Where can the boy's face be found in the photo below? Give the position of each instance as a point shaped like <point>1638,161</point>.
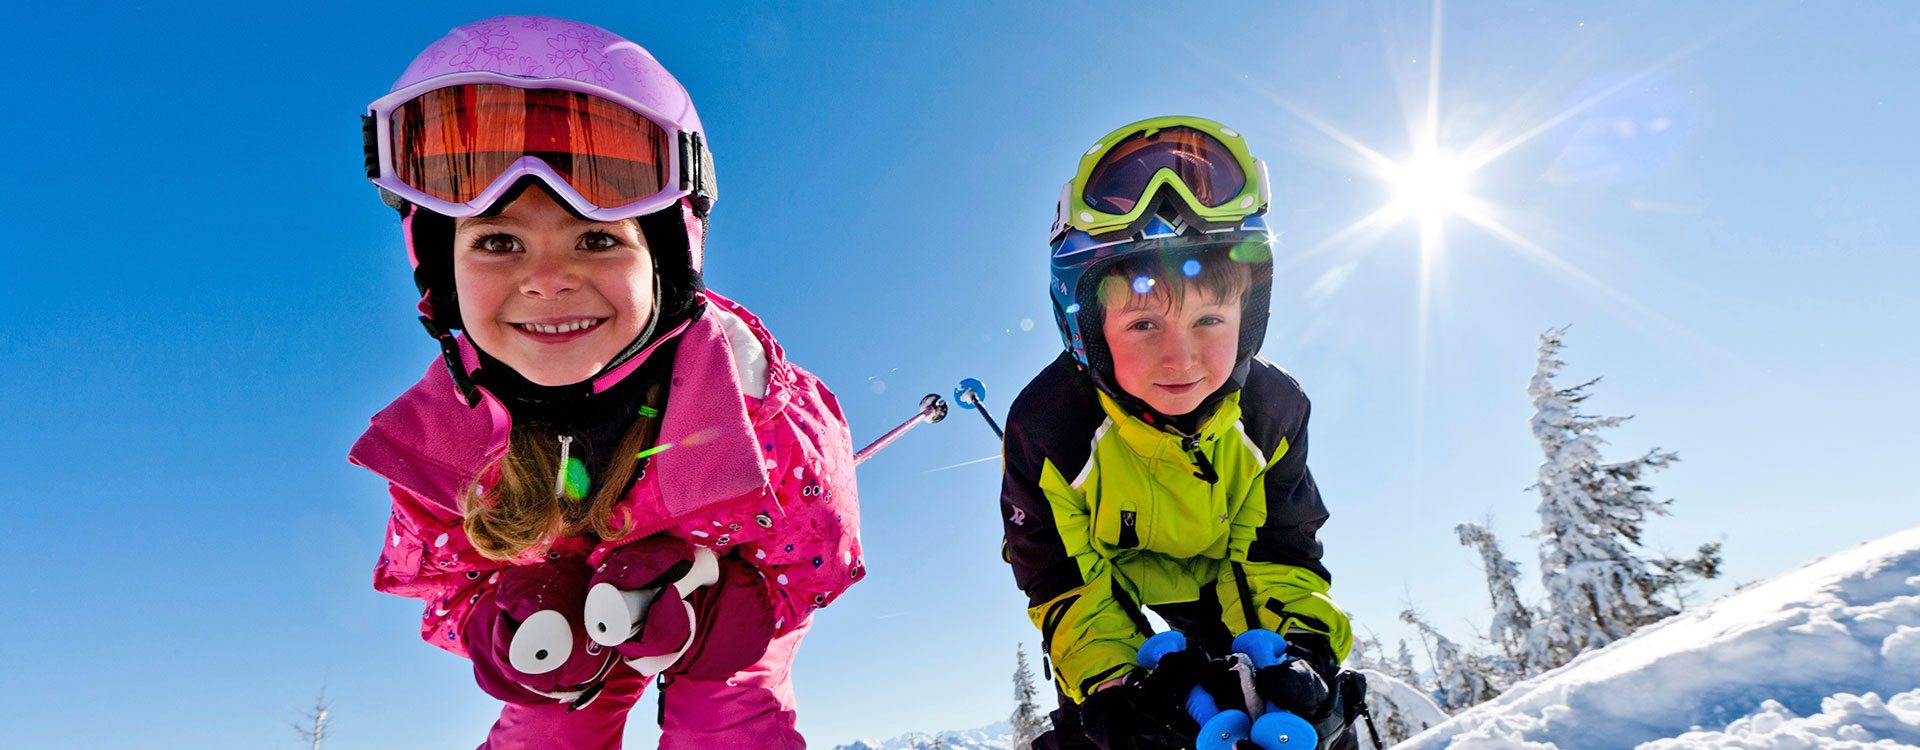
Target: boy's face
<point>1170,354</point>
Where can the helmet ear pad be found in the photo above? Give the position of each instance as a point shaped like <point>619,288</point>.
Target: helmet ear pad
<point>430,243</point>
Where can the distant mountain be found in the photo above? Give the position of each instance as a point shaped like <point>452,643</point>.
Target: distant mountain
<point>994,736</point>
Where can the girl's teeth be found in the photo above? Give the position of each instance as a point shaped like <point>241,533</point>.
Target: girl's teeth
<point>561,328</point>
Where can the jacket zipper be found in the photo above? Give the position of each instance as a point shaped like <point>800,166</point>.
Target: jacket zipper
<point>1190,445</point>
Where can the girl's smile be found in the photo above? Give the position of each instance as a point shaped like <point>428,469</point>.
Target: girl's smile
<point>553,296</point>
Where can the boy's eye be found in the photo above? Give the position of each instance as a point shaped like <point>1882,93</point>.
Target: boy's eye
<point>498,244</point>
<point>1140,325</point>
<point>1212,320</point>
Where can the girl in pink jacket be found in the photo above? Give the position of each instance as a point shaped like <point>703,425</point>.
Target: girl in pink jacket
<point>612,476</point>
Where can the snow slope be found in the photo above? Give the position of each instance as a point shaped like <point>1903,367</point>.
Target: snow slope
<point>1826,656</point>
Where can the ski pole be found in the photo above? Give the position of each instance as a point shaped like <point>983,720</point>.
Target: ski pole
<point>972,395</point>
<point>932,409</point>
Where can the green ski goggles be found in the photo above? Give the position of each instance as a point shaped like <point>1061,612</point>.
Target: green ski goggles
<point>1206,165</point>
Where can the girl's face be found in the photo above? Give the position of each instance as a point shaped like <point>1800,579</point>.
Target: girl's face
<point>1170,354</point>
<point>553,296</point>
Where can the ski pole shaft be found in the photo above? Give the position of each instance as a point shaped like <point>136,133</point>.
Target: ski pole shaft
<point>932,409</point>
<point>992,425</point>
<point>971,395</point>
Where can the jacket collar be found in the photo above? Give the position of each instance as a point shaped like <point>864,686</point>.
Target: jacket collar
<point>429,442</point>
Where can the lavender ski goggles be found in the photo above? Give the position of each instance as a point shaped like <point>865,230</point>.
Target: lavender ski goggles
<point>454,144</point>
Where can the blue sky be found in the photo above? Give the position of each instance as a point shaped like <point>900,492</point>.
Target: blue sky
<point>205,300</point>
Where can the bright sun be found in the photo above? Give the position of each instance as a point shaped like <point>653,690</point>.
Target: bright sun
<point>1430,186</point>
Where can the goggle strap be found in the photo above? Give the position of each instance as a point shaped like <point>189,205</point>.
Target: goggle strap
<point>370,141</point>
<point>696,171</point>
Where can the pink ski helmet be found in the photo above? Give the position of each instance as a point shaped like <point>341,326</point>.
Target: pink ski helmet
<point>593,117</point>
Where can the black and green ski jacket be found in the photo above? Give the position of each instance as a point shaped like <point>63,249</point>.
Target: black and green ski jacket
<point>1105,514</point>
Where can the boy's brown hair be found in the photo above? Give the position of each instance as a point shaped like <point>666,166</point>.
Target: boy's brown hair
<point>1217,273</point>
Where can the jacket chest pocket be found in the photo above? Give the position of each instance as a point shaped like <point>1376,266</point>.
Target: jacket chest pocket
<point>1159,508</point>
<point>1162,509</point>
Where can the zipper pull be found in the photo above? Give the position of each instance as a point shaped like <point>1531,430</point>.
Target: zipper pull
<point>560,478</point>
<point>1191,445</point>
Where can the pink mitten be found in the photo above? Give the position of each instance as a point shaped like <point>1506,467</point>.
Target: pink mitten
<point>663,603</point>
<point>526,637</point>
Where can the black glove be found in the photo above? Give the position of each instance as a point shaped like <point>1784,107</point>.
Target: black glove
<point>1300,684</point>
<point>1129,716</point>
<point>1174,677</point>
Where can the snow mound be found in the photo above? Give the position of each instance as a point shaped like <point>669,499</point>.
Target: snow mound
<point>1399,710</point>
<point>1801,661</point>
<point>1845,721</point>
<point>991,737</point>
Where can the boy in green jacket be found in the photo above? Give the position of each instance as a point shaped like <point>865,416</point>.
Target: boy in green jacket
<point>1158,463</point>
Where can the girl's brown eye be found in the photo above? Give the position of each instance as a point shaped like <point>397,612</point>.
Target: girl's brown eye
<point>495,243</point>
<point>598,241</point>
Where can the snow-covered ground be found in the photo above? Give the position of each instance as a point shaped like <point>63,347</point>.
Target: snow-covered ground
<point>1826,656</point>
<point>990,737</point>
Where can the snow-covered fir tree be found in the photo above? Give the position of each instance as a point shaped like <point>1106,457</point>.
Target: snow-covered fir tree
<point>1512,628</point>
<point>1402,667</point>
<point>1367,653</point>
<point>1598,589</point>
<point>1460,679</point>
<point>1028,722</point>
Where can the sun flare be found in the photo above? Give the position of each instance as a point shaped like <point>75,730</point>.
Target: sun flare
<point>1430,186</point>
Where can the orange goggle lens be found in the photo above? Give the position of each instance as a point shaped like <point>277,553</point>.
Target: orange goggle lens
<point>452,143</point>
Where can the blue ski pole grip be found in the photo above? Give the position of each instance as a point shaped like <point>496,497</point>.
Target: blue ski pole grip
<point>1282,730</point>
<point>1161,644</point>
<point>1276,729</point>
<point>1265,647</point>
<point>1223,730</point>
<point>1219,730</point>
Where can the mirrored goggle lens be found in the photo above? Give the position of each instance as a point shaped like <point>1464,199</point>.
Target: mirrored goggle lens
<point>453,142</point>
<point>1201,161</point>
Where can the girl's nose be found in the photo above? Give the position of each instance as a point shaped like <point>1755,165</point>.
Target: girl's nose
<point>549,275</point>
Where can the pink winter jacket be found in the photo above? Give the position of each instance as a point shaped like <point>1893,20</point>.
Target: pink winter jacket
<point>760,464</point>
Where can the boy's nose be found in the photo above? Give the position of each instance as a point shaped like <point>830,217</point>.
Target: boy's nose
<point>1181,350</point>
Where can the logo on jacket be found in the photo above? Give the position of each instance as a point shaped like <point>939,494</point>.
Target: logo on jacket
<point>1019,517</point>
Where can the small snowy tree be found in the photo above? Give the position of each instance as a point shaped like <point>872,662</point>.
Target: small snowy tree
<point>1598,589</point>
<point>312,726</point>
<point>1028,722</point>
<point>1460,679</point>
<point>1367,653</point>
<point>1402,668</point>
<point>1704,564</point>
<point>1512,630</point>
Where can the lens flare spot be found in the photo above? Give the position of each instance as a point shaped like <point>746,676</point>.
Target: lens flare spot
<point>576,483</point>
<point>1026,324</point>
<point>651,451</point>
<point>1073,309</point>
<point>1142,285</point>
<point>1251,251</point>
<point>1191,268</point>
